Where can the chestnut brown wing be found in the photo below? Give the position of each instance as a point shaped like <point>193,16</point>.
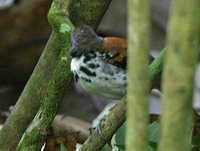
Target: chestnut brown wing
<point>118,48</point>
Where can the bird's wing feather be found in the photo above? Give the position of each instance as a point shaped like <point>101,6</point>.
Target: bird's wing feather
<point>118,48</point>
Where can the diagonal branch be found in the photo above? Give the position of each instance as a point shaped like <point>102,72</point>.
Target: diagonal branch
<point>29,101</point>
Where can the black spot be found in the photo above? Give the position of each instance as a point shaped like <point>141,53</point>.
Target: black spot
<point>88,72</point>
<point>106,78</point>
<point>92,65</point>
<point>97,65</point>
<point>112,73</point>
<point>124,78</point>
<point>89,56</point>
<point>87,80</point>
<point>86,59</point>
<point>106,55</point>
<point>121,64</point>
<point>76,77</point>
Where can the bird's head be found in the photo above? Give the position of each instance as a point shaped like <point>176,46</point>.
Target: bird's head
<point>83,40</point>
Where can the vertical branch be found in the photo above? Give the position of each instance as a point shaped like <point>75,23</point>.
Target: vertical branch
<point>138,80</point>
<point>178,76</point>
<point>35,135</point>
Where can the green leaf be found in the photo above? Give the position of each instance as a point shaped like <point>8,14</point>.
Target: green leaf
<point>119,137</point>
<point>118,140</point>
<point>150,148</point>
<point>63,148</point>
<point>106,148</point>
<point>154,129</point>
<point>196,141</point>
<point>121,147</point>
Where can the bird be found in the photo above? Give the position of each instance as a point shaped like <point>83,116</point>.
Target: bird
<point>99,63</point>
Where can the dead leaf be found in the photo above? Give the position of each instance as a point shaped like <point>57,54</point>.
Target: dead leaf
<point>69,140</point>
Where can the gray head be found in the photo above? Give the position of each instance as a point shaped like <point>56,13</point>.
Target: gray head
<point>83,40</point>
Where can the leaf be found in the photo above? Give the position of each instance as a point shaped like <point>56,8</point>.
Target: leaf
<point>121,147</point>
<point>151,148</point>
<point>106,148</point>
<point>118,140</point>
<point>196,141</point>
<point>154,129</point>
<point>55,143</point>
<point>63,148</point>
<point>120,135</point>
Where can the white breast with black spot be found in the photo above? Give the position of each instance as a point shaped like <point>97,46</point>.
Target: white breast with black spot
<point>96,76</point>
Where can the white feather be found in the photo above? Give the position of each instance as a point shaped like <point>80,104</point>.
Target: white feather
<point>109,82</point>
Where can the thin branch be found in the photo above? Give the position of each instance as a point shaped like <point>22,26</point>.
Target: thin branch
<point>138,79</point>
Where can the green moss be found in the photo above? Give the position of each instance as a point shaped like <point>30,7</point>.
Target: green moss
<point>178,76</point>
<point>77,5</point>
<point>176,48</point>
<point>65,28</point>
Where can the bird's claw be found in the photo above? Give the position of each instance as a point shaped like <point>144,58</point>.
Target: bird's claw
<point>100,126</point>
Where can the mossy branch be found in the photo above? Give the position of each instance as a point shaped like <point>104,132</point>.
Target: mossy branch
<point>88,12</point>
<point>178,76</point>
<point>29,101</point>
<point>34,137</point>
<point>138,79</point>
